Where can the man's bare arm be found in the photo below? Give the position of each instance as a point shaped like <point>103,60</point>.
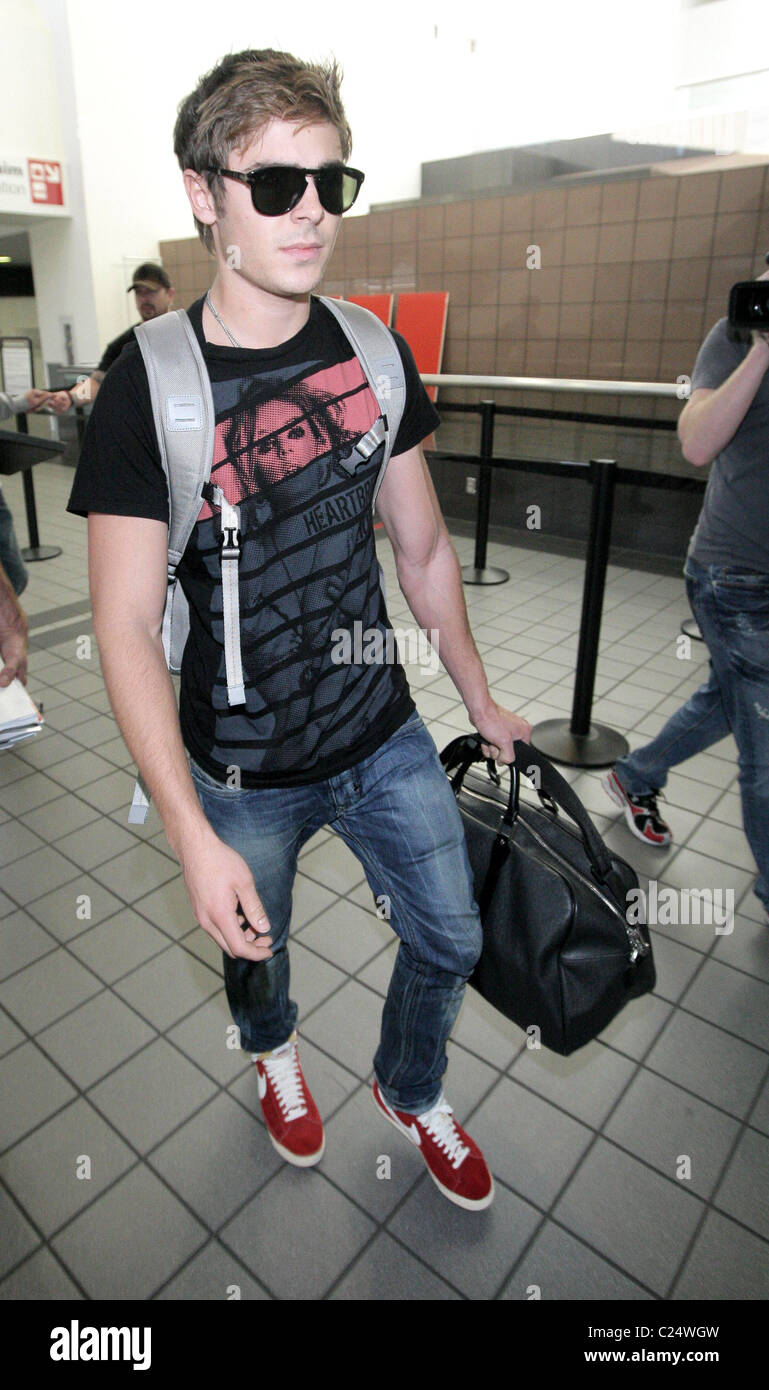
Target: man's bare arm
<point>429,575</point>
<point>13,634</point>
<point>710,419</point>
<point>127,565</point>
<point>84,392</point>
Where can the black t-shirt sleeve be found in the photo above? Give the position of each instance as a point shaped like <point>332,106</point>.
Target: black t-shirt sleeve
<point>420,417</point>
<point>120,472</point>
<point>113,350</point>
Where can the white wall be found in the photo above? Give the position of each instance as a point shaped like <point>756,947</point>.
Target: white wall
<point>18,319</point>
<point>27,68</point>
<point>724,39</point>
<point>502,73</point>
<point>425,79</point>
<point>38,118</point>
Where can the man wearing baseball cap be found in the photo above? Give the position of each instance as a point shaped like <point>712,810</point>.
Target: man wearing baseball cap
<point>154,295</point>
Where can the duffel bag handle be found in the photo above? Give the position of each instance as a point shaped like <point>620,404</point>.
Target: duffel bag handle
<point>459,755</point>
<point>562,793</point>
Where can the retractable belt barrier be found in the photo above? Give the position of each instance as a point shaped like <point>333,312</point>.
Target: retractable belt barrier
<point>19,452</point>
<point>578,742</point>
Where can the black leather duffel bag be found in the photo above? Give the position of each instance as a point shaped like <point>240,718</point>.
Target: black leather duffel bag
<point>558,950</point>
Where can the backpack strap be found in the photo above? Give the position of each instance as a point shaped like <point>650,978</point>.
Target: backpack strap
<point>183,411</point>
<point>377,352</point>
<point>230,557</point>
<point>183,414</point>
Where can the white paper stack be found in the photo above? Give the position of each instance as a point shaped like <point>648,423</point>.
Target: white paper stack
<point>19,716</point>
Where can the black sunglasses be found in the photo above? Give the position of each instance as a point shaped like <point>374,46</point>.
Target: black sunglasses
<point>277,188</point>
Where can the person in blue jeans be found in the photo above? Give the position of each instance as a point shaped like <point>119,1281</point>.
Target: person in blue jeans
<point>241,787</point>
<point>725,422</point>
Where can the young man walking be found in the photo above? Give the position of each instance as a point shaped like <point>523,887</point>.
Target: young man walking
<point>263,143</point>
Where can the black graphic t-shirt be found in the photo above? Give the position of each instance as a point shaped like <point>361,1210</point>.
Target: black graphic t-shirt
<point>288,420</point>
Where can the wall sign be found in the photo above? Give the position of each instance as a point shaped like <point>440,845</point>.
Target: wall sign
<point>45,181</point>
<point>16,363</point>
<point>32,185</point>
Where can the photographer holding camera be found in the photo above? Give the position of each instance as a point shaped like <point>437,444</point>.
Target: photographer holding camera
<point>725,422</point>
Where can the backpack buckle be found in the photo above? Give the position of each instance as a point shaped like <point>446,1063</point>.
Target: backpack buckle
<point>230,543</point>
<point>371,440</point>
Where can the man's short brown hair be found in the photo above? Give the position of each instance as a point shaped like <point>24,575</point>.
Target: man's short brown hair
<point>239,97</point>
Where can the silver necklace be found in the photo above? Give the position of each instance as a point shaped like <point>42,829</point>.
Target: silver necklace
<point>221,322</point>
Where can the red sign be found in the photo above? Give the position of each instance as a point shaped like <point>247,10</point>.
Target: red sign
<point>45,181</point>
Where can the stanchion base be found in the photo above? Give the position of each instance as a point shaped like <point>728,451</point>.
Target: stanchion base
<point>40,552</point>
<point>489,575</point>
<point>691,628</point>
<point>599,748</point>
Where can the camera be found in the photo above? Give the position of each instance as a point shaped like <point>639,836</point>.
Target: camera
<point>749,305</point>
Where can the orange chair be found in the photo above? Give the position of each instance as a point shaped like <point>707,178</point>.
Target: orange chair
<point>421,318</point>
<point>379,304</point>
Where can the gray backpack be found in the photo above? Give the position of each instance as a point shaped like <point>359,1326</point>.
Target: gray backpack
<point>183,411</point>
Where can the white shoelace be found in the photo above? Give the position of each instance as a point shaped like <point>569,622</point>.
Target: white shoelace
<point>284,1075</point>
<point>439,1123</point>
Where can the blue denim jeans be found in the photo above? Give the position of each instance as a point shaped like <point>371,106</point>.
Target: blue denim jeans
<point>396,811</point>
<point>10,555</point>
<point>731,606</point>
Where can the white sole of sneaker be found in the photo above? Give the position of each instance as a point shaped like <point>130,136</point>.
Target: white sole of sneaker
<point>463,1201</point>
<point>607,783</point>
<point>299,1162</point>
<point>452,1196</point>
<point>619,800</point>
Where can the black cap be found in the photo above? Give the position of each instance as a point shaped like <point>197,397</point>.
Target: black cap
<point>149,275</point>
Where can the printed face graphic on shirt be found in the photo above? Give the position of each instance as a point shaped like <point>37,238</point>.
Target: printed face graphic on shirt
<point>286,452</point>
<point>268,437</point>
<point>284,435</point>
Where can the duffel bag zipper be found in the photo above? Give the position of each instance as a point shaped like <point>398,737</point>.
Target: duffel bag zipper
<point>637,944</point>
<point>638,947</point>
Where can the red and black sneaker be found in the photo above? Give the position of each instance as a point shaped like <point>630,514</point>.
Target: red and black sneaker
<point>641,812</point>
<point>290,1113</point>
<point>453,1161</point>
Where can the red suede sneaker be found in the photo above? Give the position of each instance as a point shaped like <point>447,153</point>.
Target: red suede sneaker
<point>453,1161</point>
<point>291,1115</point>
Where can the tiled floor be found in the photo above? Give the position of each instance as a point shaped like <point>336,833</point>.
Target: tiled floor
<point>133,1161</point>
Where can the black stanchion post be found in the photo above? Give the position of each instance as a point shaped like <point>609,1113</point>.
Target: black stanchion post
<point>29,503</point>
<point>488,411</point>
<point>602,477</point>
<point>479,572</point>
<point>580,743</point>
<point>33,551</point>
